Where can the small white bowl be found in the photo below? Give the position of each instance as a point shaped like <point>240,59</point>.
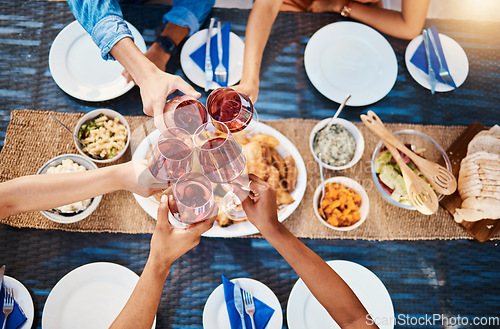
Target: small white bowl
<point>70,218</point>
<point>110,114</point>
<point>358,138</point>
<point>357,188</point>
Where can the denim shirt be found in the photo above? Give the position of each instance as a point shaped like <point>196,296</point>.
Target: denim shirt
<point>103,19</point>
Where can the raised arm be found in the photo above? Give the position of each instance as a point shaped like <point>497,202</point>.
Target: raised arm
<point>260,22</point>
<point>103,20</point>
<point>167,244</point>
<point>404,24</point>
<point>42,192</point>
<point>323,282</point>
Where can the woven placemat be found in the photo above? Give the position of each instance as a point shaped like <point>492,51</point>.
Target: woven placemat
<point>33,138</point>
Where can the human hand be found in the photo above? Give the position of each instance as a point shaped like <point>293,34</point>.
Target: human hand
<point>168,242</point>
<point>249,89</point>
<point>137,178</point>
<point>261,210</point>
<point>156,55</point>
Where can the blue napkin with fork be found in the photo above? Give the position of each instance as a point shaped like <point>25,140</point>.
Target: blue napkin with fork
<point>262,315</point>
<point>419,59</point>
<point>16,318</point>
<point>198,56</point>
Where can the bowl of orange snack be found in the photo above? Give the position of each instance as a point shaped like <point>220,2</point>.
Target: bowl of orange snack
<point>345,205</point>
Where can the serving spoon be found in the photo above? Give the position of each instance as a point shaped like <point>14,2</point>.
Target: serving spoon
<point>441,179</point>
<point>320,202</point>
<point>82,145</point>
<point>421,195</point>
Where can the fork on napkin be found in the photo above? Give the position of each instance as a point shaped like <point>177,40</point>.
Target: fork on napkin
<point>16,318</point>
<point>262,315</point>
<point>198,56</point>
<point>419,58</point>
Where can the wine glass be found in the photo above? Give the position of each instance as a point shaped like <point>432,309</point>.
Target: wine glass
<point>228,106</point>
<point>185,112</point>
<point>172,155</point>
<point>194,198</point>
<point>221,157</point>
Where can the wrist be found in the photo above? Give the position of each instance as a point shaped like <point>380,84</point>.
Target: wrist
<point>158,264</point>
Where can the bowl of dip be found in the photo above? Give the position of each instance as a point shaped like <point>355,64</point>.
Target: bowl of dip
<point>341,145</point>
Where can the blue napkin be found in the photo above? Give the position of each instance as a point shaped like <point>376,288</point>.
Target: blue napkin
<point>262,315</point>
<point>16,318</point>
<point>419,59</point>
<point>198,56</point>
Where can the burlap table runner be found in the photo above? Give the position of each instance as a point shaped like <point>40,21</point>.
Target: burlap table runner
<point>33,138</point>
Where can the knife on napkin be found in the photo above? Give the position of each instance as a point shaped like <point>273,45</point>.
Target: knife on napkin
<point>238,303</point>
<point>430,70</point>
<point>208,63</point>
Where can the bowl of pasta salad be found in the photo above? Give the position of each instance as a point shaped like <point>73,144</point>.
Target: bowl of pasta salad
<point>105,135</point>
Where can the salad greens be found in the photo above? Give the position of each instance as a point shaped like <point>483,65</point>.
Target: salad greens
<point>89,125</point>
<point>391,178</point>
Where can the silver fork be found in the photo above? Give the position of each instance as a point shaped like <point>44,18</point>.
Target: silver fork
<point>8,304</point>
<point>220,70</point>
<point>249,305</point>
<point>443,73</point>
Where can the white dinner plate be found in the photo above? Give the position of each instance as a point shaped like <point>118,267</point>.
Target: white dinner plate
<point>305,312</point>
<point>351,58</point>
<point>196,74</point>
<point>285,148</point>
<point>90,296</point>
<point>215,314</point>
<point>77,67</point>
<point>23,299</point>
<point>456,59</point>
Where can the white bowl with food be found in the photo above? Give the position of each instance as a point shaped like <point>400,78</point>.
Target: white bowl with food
<point>105,133</point>
<point>76,211</point>
<point>341,145</point>
<point>337,218</point>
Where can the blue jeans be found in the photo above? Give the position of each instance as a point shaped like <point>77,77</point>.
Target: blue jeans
<point>103,19</point>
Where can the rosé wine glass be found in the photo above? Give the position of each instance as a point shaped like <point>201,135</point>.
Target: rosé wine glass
<point>185,112</point>
<point>172,155</point>
<point>194,198</point>
<point>228,106</point>
<point>221,157</point>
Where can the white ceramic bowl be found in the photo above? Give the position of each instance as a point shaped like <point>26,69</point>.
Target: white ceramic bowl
<point>110,114</point>
<point>358,137</point>
<point>357,188</point>
<point>70,218</point>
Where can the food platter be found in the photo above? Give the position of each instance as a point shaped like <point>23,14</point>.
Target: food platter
<point>285,148</point>
<point>481,230</point>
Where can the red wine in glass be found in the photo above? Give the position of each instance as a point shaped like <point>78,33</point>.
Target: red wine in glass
<point>172,155</point>
<point>185,112</point>
<point>194,198</point>
<point>228,106</point>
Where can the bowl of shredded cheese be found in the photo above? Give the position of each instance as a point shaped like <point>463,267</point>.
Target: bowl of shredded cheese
<point>105,134</point>
<point>78,210</point>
